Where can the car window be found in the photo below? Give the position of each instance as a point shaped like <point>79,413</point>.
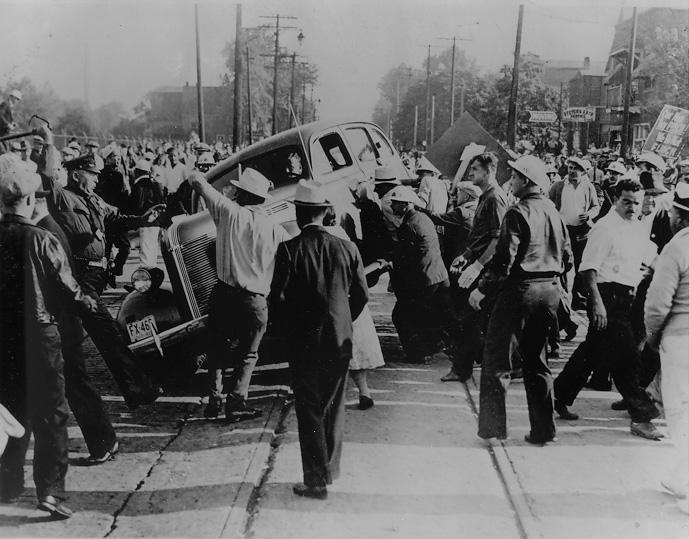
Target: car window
<point>282,166</point>
<point>328,154</point>
<point>384,149</point>
<point>361,144</point>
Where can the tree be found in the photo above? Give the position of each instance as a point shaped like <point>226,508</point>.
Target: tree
<point>664,71</point>
<point>107,116</point>
<point>75,120</point>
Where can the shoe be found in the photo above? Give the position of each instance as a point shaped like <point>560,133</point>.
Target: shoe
<point>516,374</point>
<point>365,402</point>
<point>318,493</point>
<point>619,405</point>
<point>212,408</point>
<point>451,376</point>
<point>52,505</point>
<point>571,332</point>
<point>236,410</point>
<point>564,413</point>
<point>143,398</point>
<point>554,354</point>
<point>645,429</point>
<point>535,441</point>
<point>108,455</point>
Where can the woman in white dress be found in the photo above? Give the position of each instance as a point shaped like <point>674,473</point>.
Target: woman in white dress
<point>366,351</point>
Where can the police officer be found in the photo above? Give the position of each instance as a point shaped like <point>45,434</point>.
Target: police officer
<point>83,215</point>
<point>531,254</point>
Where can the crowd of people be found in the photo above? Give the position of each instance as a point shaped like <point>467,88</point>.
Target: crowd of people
<point>490,273</point>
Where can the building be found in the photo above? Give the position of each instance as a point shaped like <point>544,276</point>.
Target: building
<point>646,87</point>
<point>174,112</point>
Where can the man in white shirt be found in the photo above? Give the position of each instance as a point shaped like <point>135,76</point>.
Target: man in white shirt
<point>246,245</point>
<point>176,172</point>
<point>611,269</point>
<point>576,199</point>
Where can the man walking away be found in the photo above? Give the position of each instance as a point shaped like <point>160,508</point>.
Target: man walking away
<point>318,289</point>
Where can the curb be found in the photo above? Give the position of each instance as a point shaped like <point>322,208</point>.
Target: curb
<point>239,512</point>
<point>526,519</point>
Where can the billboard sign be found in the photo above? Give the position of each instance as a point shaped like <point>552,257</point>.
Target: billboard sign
<point>670,133</point>
<point>579,114</point>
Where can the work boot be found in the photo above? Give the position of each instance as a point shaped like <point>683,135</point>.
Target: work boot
<point>619,405</point>
<point>645,429</point>
<point>213,407</point>
<point>564,413</point>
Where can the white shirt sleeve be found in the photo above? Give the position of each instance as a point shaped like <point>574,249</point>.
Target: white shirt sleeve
<point>597,250</point>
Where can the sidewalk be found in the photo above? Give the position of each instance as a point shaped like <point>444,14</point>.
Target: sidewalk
<point>413,467</point>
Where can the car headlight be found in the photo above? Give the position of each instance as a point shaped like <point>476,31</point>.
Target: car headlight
<point>141,280</point>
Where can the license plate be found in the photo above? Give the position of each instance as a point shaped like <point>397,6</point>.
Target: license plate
<point>142,329</point>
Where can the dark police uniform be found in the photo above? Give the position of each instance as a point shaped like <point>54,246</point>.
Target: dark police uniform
<point>532,252</point>
<point>84,216</point>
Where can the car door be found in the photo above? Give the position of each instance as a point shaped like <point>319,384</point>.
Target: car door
<point>362,146</point>
<point>387,155</point>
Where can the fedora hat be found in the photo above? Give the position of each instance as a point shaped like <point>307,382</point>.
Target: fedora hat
<point>426,166</point>
<point>533,169</point>
<point>403,194</point>
<point>681,199</point>
<point>310,194</point>
<point>252,181</point>
<point>385,175</point>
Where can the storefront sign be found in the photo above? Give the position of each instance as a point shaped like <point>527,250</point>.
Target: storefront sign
<point>670,133</point>
<point>579,114</point>
<point>542,116</point>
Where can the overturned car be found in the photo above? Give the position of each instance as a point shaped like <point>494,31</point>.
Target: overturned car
<point>168,322</point>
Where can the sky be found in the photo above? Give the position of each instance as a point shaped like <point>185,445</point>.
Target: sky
<point>129,48</point>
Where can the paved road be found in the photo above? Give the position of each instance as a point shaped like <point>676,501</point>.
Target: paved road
<point>412,467</point>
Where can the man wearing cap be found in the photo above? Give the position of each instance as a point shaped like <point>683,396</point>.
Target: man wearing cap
<point>175,172</point>
<point>480,247</point>
<point>577,201</point>
<point>420,281</point>
<point>247,241</point>
<point>531,254</point>
<point>667,328</point>
<point>611,269</point>
<point>84,216</point>
<point>35,278</point>
<point>318,289</point>
<point>182,201</point>
<point>146,194</point>
<point>7,123</point>
<point>384,181</point>
<point>92,149</point>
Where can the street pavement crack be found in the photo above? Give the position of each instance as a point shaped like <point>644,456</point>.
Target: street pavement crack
<point>275,443</point>
<point>140,484</point>
<point>500,472</point>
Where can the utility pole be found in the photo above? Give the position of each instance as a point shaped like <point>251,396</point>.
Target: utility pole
<point>626,143</point>
<point>452,74</point>
<point>291,87</point>
<point>512,111</point>
<point>248,92</point>
<point>427,125</point>
<point>276,60</point>
<point>237,120</point>
<point>303,100</point>
<point>87,99</point>
<point>199,86</point>
<point>559,115</point>
<point>416,124</point>
<point>461,100</point>
<point>430,141</point>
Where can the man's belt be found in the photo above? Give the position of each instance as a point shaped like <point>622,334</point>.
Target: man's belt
<point>100,263</point>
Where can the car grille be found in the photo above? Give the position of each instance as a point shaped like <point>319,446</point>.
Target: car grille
<point>198,256</point>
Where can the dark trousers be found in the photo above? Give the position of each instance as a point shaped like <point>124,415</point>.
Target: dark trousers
<point>578,239</point>
<point>119,239</point>
<point>617,349</point>
<point>522,316</point>
<point>237,315</point>
<point>106,335</point>
<point>83,398</point>
<point>470,333</point>
<point>32,388</point>
<point>319,393</point>
<point>421,316</point>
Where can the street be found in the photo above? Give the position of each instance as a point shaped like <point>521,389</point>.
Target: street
<point>412,466</point>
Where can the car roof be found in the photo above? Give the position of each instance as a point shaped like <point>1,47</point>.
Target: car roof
<point>289,137</point>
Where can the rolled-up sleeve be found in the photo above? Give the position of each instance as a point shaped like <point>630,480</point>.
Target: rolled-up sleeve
<point>662,290</point>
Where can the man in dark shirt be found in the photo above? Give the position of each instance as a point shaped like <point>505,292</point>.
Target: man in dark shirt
<point>480,247</point>
<point>35,278</point>
<point>531,254</point>
<point>420,281</point>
